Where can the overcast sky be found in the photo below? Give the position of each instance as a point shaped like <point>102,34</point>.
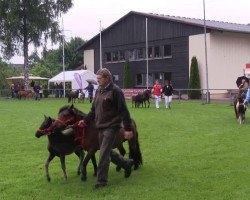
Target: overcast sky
<point>83,19</point>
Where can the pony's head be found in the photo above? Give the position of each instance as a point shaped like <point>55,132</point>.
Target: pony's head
<point>45,128</point>
<point>68,115</point>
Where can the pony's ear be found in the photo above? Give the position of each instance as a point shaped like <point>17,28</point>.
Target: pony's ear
<point>50,118</point>
<point>44,116</point>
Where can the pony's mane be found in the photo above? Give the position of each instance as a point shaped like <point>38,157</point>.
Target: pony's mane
<point>66,107</point>
<point>76,110</point>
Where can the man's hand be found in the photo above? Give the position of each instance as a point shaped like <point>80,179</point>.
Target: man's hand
<point>128,135</point>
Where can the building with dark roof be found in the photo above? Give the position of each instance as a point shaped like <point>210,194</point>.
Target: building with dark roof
<point>172,42</point>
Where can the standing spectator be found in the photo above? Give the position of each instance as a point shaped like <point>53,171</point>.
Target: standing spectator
<point>41,91</point>
<point>36,90</point>
<point>109,110</point>
<point>12,90</point>
<point>90,89</point>
<point>167,91</point>
<point>157,93</point>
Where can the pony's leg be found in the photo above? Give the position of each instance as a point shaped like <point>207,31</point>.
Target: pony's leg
<point>122,152</point>
<point>62,159</point>
<point>84,165</point>
<point>93,159</point>
<point>80,154</point>
<point>51,156</point>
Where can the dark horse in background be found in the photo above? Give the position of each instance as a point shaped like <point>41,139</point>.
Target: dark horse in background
<point>141,98</point>
<point>91,143</point>
<point>73,95</point>
<point>61,145</point>
<point>240,108</point>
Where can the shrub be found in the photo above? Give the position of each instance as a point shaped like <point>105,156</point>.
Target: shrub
<point>194,80</point>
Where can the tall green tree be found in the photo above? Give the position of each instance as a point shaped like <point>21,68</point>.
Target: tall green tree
<point>194,80</point>
<point>127,82</point>
<point>25,22</point>
<point>72,58</point>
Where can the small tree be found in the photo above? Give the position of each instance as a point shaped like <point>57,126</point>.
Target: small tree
<point>127,82</point>
<point>194,80</point>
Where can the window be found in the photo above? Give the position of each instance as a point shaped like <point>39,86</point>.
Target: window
<point>167,50</point>
<point>141,80</point>
<point>157,52</point>
<point>150,52</point>
<point>132,54</point>
<point>108,56</point>
<point>115,56</point>
<point>140,53</point>
<point>122,55</point>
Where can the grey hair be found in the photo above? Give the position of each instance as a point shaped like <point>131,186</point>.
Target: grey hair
<point>104,72</point>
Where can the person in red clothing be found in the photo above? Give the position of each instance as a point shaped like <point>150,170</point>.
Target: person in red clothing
<point>156,91</point>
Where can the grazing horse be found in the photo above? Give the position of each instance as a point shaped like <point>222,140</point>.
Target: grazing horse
<point>240,109</point>
<point>91,144</point>
<point>61,145</point>
<point>141,98</point>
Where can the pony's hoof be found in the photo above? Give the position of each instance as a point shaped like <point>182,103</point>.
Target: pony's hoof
<point>84,178</point>
<point>48,179</point>
<point>78,173</point>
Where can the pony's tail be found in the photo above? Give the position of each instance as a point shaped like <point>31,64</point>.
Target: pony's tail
<point>134,147</point>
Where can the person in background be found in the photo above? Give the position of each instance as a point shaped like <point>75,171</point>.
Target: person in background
<point>90,89</point>
<point>243,88</point>
<point>12,90</point>
<point>167,91</point>
<point>156,91</point>
<point>41,91</point>
<point>109,110</point>
<point>36,90</point>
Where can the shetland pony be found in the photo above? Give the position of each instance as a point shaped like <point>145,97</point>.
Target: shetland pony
<point>240,109</point>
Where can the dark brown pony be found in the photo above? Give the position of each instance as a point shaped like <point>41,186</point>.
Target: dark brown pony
<point>91,144</point>
<point>61,145</point>
<point>24,94</point>
<point>141,98</point>
<point>239,108</point>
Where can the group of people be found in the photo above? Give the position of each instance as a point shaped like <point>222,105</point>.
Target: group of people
<point>167,91</point>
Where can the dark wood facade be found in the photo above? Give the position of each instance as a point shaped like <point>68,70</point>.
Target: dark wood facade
<point>129,33</point>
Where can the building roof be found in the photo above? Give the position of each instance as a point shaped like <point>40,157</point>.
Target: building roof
<point>210,24</point>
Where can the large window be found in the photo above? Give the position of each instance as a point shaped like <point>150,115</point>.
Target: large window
<point>167,50</point>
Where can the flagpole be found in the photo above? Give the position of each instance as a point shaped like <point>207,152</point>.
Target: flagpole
<point>205,39</point>
<point>100,44</point>
<point>63,61</point>
<point>147,50</point>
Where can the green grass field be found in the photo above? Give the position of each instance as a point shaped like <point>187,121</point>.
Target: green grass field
<point>191,152</point>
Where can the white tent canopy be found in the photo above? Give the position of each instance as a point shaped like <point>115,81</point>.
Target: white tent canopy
<point>77,78</point>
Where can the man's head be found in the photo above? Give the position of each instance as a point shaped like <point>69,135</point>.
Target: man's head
<point>104,77</point>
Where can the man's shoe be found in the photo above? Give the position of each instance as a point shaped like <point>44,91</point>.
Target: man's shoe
<point>99,185</point>
<point>128,170</point>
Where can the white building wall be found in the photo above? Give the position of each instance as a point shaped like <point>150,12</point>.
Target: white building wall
<point>88,56</point>
<point>227,55</point>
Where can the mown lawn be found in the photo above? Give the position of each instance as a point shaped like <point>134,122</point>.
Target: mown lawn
<point>190,152</point>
